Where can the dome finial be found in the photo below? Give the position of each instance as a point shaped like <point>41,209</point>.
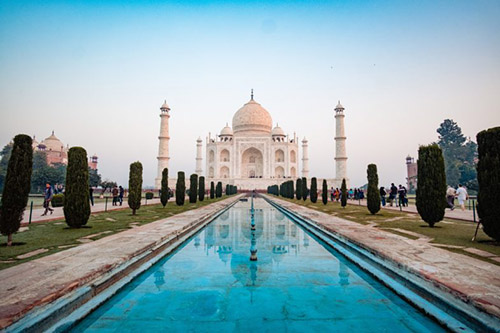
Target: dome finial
<point>251,95</point>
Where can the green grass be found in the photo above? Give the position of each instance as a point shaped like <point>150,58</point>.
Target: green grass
<point>449,232</point>
<point>56,236</point>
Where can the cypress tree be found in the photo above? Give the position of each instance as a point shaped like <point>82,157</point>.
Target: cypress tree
<point>135,186</point>
<point>76,196</point>
<point>431,189</point>
<point>343,191</point>
<point>201,189</point>
<point>228,191</point>
<point>212,190</point>
<point>314,190</point>
<point>291,193</point>
<point>305,190</point>
<point>218,190</point>
<point>17,186</point>
<point>164,187</point>
<point>488,176</point>
<point>193,188</point>
<point>324,192</point>
<point>373,195</point>
<point>299,189</point>
<point>180,189</point>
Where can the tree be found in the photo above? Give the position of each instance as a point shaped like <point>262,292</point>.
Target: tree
<point>94,177</point>
<point>373,195</point>
<point>135,186</point>
<point>180,189</point>
<point>218,190</point>
<point>212,190</point>
<point>488,172</point>
<point>76,195</point>
<point>193,188</point>
<point>4,161</point>
<point>299,189</point>
<point>44,173</point>
<point>314,190</point>
<point>343,195</point>
<point>165,193</point>
<point>201,189</point>
<point>305,190</point>
<point>107,184</point>
<point>431,189</point>
<point>17,186</point>
<point>324,192</point>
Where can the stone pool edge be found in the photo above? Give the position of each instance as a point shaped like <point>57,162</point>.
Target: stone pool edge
<point>35,310</point>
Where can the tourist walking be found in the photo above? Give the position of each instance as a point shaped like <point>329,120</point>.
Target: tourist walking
<point>48,194</point>
<point>115,196</point>
<point>401,195</point>
<point>120,195</point>
<point>462,196</point>
<point>383,193</point>
<point>91,195</point>
<point>450,197</point>
<point>393,194</point>
<point>332,193</point>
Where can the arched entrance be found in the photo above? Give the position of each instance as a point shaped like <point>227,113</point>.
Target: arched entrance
<point>252,163</point>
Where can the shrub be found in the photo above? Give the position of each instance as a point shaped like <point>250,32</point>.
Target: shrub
<point>135,186</point>
<point>314,190</point>
<point>343,196</point>
<point>228,191</point>
<point>488,176</point>
<point>212,190</point>
<point>324,192</point>
<point>299,189</point>
<point>373,195</point>
<point>431,189</point>
<point>165,193</point>
<point>76,196</point>
<point>180,189</point>
<point>58,200</point>
<point>218,190</point>
<point>201,189</point>
<point>305,190</point>
<point>17,186</point>
<point>193,188</point>
<point>149,195</point>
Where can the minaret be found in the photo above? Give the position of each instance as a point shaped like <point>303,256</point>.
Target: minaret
<point>198,170</point>
<point>163,154</point>
<point>340,152</point>
<point>305,159</point>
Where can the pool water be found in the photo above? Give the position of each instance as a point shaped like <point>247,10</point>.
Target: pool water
<point>297,284</point>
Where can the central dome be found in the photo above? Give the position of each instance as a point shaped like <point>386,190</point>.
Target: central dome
<point>252,118</point>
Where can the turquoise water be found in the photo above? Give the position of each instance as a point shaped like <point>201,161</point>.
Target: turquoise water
<point>297,284</point>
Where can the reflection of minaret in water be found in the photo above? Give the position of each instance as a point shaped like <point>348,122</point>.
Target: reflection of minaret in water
<point>343,274</point>
<point>306,240</point>
<point>197,241</point>
<point>159,278</point>
<point>253,248</point>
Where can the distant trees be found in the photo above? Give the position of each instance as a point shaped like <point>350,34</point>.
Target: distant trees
<point>135,186</point>
<point>201,189</point>
<point>314,190</point>
<point>431,189</point>
<point>488,172</point>
<point>343,191</point>
<point>324,192</point>
<point>218,190</point>
<point>180,189</point>
<point>164,195</point>
<point>373,195</point>
<point>107,184</point>
<point>298,189</point>
<point>305,190</point>
<point>76,195</point>
<point>212,190</point>
<point>193,188</point>
<point>16,186</point>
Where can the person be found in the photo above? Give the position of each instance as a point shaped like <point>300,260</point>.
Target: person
<point>91,195</point>
<point>401,195</point>
<point>383,193</point>
<point>120,195</point>
<point>462,196</point>
<point>393,194</point>
<point>47,198</point>
<point>450,197</point>
<point>115,196</point>
<point>332,193</point>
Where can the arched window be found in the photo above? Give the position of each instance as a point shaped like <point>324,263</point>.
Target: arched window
<point>279,156</point>
<point>211,172</point>
<point>224,172</point>
<point>224,155</point>
<point>293,156</point>
<point>211,156</point>
<point>279,172</point>
<point>293,172</point>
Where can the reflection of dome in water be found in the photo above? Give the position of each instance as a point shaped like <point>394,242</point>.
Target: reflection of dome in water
<point>279,216</point>
<point>224,216</point>
<point>251,273</point>
<point>225,253</point>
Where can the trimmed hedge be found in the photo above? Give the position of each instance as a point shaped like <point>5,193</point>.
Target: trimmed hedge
<point>149,195</point>
<point>164,196</point>
<point>193,188</point>
<point>373,195</point>
<point>343,196</point>
<point>201,188</point>
<point>135,186</point>
<point>298,189</point>
<point>324,192</point>
<point>314,190</point>
<point>212,190</point>
<point>58,200</point>
<point>180,189</point>
<point>76,195</point>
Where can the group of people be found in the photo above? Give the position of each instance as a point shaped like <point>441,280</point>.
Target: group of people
<point>118,193</point>
<point>460,193</point>
<point>356,194</point>
<point>397,195</point>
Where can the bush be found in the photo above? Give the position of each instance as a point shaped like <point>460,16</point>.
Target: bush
<point>305,190</point>
<point>299,189</point>
<point>324,192</point>
<point>228,191</point>
<point>373,195</point>
<point>343,196</point>
<point>488,176</point>
<point>165,193</point>
<point>17,186</point>
<point>201,189</point>
<point>218,190</point>
<point>180,189</point>
<point>135,186</point>
<point>212,190</point>
<point>193,188</point>
<point>431,189</point>
<point>314,190</point>
<point>149,195</point>
<point>58,200</point>
<point>76,196</point>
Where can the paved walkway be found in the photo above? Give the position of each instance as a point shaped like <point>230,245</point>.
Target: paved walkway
<point>41,281</point>
<point>465,278</point>
<point>36,215</point>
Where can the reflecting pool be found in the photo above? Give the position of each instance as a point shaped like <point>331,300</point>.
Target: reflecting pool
<point>296,284</point>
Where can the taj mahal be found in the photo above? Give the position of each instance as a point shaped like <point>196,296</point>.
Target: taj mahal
<point>252,154</point>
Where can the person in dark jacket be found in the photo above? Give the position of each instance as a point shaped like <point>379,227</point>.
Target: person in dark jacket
<point>383,193</point>
<point>120,194</point>
<point>48,194</point>
<point>91,195</point>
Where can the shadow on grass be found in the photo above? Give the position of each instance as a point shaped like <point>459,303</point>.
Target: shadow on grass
<point>13,244</point>
<point>82,227</point>
<point>427,226</point>
<point>489,242</point>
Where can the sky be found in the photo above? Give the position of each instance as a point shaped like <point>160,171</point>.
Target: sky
<point>96,72</point>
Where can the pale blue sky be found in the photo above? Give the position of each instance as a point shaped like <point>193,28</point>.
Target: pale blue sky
<point>96,72</point>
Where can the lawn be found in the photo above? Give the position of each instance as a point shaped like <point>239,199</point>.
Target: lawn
<point>449,232</point>
<point>55,236</point>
